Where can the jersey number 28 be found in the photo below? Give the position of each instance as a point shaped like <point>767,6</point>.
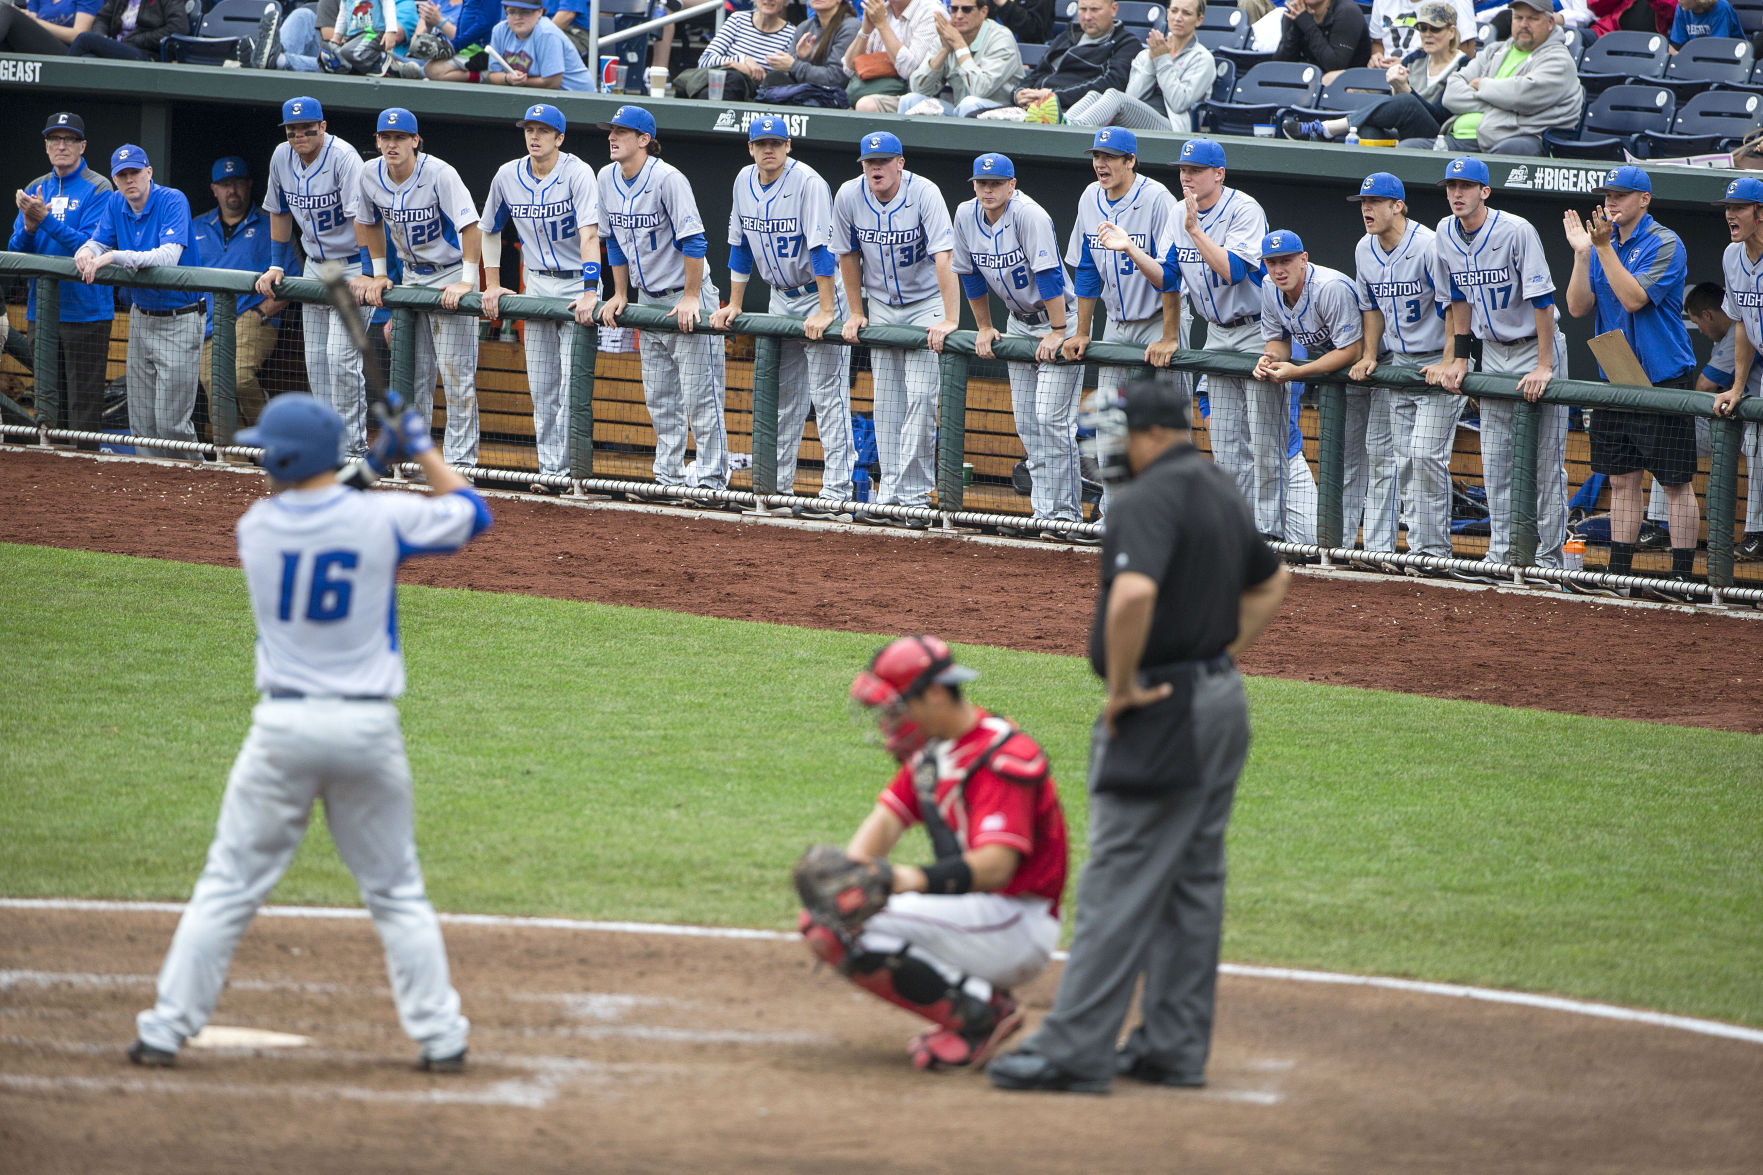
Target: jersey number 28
<point>328,590</point>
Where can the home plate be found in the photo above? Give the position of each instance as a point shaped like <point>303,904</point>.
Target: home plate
<point>218,1036</point>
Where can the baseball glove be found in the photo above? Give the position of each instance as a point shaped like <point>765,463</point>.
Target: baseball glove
<point>838,892</point>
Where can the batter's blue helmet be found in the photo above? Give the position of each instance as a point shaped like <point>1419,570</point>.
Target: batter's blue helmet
<point>300,436</point>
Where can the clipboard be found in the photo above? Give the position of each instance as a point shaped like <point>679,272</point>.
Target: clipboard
<point>1618,359</point>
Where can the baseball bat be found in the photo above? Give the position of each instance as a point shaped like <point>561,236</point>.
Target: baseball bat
<point>336,289</point>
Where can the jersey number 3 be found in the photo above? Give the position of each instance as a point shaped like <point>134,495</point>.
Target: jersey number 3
<point>328,589</point>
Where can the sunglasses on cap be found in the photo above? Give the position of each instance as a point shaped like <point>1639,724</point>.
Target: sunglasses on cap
<point>1429,28</point>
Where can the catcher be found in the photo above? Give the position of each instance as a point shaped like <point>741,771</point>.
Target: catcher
<point>950,940</point>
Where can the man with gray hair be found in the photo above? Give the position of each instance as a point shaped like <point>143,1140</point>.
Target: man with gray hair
<point>1515,90</point>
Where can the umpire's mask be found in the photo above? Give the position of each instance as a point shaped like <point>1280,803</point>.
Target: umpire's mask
<point>1147,402</point>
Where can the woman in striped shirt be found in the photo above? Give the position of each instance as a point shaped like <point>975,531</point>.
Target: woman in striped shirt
<point>746,39</point>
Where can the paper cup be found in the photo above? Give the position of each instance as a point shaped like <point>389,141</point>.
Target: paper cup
<point>657,81</point>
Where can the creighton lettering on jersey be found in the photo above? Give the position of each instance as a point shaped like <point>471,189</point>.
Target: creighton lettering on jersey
<point>782,226</point>
<point>1144,214</point>
<point>1399,285</point>
<point>1325,318</point>
<point>1017,258</point>
<point>323,198</point>
<point>1236,223</point>
<point>1744,305</point>
<point>897,242</point>
<point>1499,270</point>
<point>549,214</point>
<point>645,219</point>
<point>424,212</point>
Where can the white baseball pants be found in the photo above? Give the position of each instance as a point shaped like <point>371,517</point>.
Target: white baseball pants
<point>817,374</point>
<point>1004,941</point>
<point>684,385</point>
<point>906,387</point>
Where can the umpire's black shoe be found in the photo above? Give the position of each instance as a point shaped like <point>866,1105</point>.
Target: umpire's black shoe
<point>452,1064</point>
<point>1024,1070</point>
<point>1140,1069</point>
<point>142,1053</point>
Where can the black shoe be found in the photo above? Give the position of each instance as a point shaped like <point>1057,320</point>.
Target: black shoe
<point>1667,595</point>
<point>1653,537</point>
<point>910,523</point>
<point>1026,1070</point>
<point>1749,547</point>
<point>1473,576</point>
<point>1151,1073</point>
<point>142,1053</point>
<point>821,514</point>
<point>452,1064</point>
<point>267,44</point>
<point>539,487</point>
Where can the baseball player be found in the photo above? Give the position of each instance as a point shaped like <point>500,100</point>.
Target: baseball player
<point>892,235</point>
<point>655,240</point>
<point>1489,270</point>
<point>321,563</point>
<point>1005,244</point>
<point>1742,266</point>
<point>782,221</point>
<point>433,224</point>
<point>955,937</point>
<point>1704,306</point>
<point>315,184</point>
<point>553,200</point>
<point>1311,305</point>
<point>1404,326</point>
<point>145,224</point>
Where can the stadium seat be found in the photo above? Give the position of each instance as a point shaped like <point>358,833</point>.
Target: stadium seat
<point>1225,81</point>
<point>1259,96</point>
<point>1714,120</point>
<point>1750,14</point>
<point>1706,62</point>
<point>1614,121</point>
<point>1621,57</point>
<point>1226,28</point>
<point>226,25</point>
<point>1245,59</point>
<point>1138,16</point>
<point>1352,90</point>
<point>1032,55</point>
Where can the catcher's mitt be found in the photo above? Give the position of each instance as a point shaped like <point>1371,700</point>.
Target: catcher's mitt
<point>838,892</point>
<point>430,47</point>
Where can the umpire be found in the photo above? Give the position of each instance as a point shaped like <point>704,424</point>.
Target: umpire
<point>1187,583</point>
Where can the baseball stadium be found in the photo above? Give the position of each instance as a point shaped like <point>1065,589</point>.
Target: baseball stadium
<point>431,475</point>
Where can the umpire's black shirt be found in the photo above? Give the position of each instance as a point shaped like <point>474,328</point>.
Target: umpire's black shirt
<point>1182,522</point>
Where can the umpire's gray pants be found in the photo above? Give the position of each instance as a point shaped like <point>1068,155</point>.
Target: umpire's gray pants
<point>1520,359</point>
<point>1368,482</point>
<point>1043,399</point>
<point>164,367</point>
<point>447,344</point>
<point>1249,424</point>
<point>333,363</point>
<point>684,384</point>
<point>906,384</point>
<point>817,374</point>
<point>1151,902</point>
<point>1423,426</point>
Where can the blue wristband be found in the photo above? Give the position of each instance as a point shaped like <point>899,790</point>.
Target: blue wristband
<point>591,272</point>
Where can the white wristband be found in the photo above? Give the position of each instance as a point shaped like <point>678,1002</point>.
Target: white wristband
<point>379,267</point>
<point>468,272</point>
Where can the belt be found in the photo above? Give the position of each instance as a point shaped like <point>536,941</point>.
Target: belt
<point>1158,674</point>
<point>1031,319</point>
<point>799,291</point>
<point>191,308</point>
<point>663,293</point>
<point>426,270</point>
<point>294,695</point>
<point>1245,320</point>
<point>565,274</point>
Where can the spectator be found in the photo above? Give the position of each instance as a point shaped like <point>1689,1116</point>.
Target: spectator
<point>1029,21</point>
<point>1090,57</point>
<point>1168,77</point>
<point>1416,111</point>
<point>472,30</point>
<point>56,215</point>
<point>570,19</point>
<point>1704,18</point>
<point>46,27</point>
<point>1515,90</point>
<point>814,68</point>
<point>1703,306</point>
<point>1330,34</point>
<point>978,65</point>
<point>236,236</point>
<point>740,47</point>
<point>1394,35</point>
<point>895,38</point>
<point>303,35</point>
<point>131,30</point>
<point>374,39</point>
<point>541,57</point>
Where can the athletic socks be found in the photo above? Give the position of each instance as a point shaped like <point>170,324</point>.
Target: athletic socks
<point>1621,558</point>
<point>1683,561</point>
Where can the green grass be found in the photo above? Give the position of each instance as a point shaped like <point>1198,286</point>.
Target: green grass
<point>591,761</point>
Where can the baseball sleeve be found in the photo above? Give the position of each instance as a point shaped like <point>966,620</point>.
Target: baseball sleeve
<point>586,194</point>
<point>1339,312</point>
<point>735,235</point>
<point>1361,287</point>
<point>1002,811</point>
<point>682,208</point>
<point>495,217</point>
<point>1533,275</point>
<point>900,797</point>
<point>1443,288</point>
<point>844,231</point>
<point>272,193</point>
<point>366,210</point>
<point>934,219</point>
<point>1246,227</point>
<point>1039,243</point>
<point>817,213</point>
<point>456,202</point>
<point>962,260</point>
<point>1272,325</point>
<point>436,525</point>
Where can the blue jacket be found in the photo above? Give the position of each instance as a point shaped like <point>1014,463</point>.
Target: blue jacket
<point>247,249</point>
<point>76,204</point>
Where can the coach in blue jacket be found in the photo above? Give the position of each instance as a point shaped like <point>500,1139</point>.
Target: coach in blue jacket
<point>235,235</point>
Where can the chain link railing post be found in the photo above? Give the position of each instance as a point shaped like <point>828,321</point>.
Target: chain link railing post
<point>223,389</point>
<point>46,354</point>
<point>1524,484</point>
<point>951,430</point>
<point>767,353</point>
<point>1725,440</point>
<point>584,351</point>
<point>1331,466</point>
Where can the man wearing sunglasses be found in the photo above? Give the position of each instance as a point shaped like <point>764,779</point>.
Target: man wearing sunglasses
<point>977,62</point>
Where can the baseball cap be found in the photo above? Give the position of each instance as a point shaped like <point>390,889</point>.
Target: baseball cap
<point>770,126</point>
<point>300,436</point>
<point>1626,179</point>
<point>65,122</point>
<point>878,143</point>
<point>544,115</point>
<point>1281,242</point>
<point>1115,140</point>
<point>1547,6</point>
<point>1201,153</point>
<point>1468,169</point>
<point>1380,184</point>
<point>993,166</point>
<point>396,118</point>
<point>632,118</point>
<point>1440,14</point>
<point>1154,402</point>
<point>127,156</point>
<point>302,110</point>
<point>1746,190</point>
<point>229,168</point>
<point>522,4</point>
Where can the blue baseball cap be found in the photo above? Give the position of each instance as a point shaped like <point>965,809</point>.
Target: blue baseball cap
<point>230,168</point>
<point>545,115</point>
<point>1747,190</point>
<point>300,437</point>
<point>126,157</point>
<point>302,110</point>
<point>1201,153</point>
<point>1469,170</point>
<point>1380,185</point>
<point>1626,179</point>
<point>632,118</point>
<point>522,4</point>
<point>1115,140</point>
<point>770,126</point>
<point>879,143</point>
<point>1280,243</point>
<point>993,166</point>
<point>398,119</point>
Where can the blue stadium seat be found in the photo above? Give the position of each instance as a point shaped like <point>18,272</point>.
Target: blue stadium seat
<point>1715,120</point>
<point>1138,16</point>
<point>1032,55</point>
<point>1227,28</point>
<point>1352,90</point>
<point>1244,59</point>
<point>1750,14</point>
<point>1225,81</point>
<point>1614,121</point>
<point>1705,62</point>
<point>1621,57</point>
<point>1259,96</point>
<point>227,24</point>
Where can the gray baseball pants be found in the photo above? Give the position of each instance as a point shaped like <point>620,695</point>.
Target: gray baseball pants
<point>1520,359</point>
<point>684,384</point>
<point>1424,428</point>
<point>906,385</point>
<point>164,368</point>
<point>549,346</point>
<point>1043,399</point>
<point>1368,484</point>
<point>333,364</point>
<point>447,344</point>
<point>817,374</point>
<point>1249,423</point>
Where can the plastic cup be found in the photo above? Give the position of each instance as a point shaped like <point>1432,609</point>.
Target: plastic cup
<point>718,84</point>
<point>657,81</point>
<point>620,73</point>
<point>1264,130</point>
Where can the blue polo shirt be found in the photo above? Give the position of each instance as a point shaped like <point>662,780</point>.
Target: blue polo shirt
<point>163,219</point>
<point>246,248</point>
<point>76,204</point>
<point>1656,258</point>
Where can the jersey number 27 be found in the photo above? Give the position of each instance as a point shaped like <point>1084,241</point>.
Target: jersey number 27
<point>328,590</point>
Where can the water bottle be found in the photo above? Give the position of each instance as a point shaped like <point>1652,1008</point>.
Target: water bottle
<point>1573,554</point>
<point>1352,136</point>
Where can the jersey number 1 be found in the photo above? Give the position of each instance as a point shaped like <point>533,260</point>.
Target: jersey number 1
<point>327,594</point>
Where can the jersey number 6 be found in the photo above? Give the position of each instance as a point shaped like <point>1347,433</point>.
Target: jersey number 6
<point>327,596</point>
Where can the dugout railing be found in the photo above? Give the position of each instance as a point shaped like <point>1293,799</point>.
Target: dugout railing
<point>767,331</point>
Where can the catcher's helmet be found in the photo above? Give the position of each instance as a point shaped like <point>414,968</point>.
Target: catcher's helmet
<point>300,436</point>
<point>902,670</point>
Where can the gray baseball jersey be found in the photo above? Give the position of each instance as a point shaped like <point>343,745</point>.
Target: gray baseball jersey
<point>1325,316</point>
<point>897,242</point>
<point>1144,214</point>
<point>549,214</point>
<point>1018,257</point>
<point>322,198</point>
<point>1399,284</point>
<point>781,225</point>
<point>644,220</point>
<point>1744,305</point>
<point>1498,271</point>
<point>424,213</point>
<point>1236,223</point>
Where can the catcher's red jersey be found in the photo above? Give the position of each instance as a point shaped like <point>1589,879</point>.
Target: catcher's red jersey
<point>1009,801</point>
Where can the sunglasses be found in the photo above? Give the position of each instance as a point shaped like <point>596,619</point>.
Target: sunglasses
<point>963,8</point>
<point>1430,28</point>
